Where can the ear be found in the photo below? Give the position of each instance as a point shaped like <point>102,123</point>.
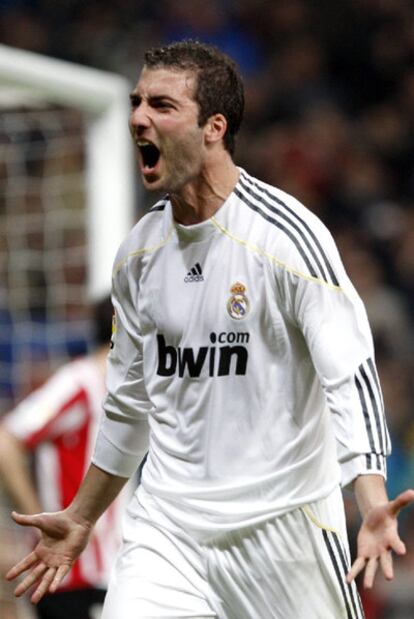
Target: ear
<point>215,128</point>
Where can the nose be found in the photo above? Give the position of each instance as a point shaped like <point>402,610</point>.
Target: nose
<point>139,118</point>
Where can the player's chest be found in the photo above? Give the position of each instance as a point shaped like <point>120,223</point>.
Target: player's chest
<point>213,290</point>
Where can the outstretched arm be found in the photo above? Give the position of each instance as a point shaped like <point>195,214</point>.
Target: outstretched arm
<point>378,535</point>
<point>64,534</point>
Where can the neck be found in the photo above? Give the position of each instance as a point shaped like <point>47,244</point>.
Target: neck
<point>201,198</point>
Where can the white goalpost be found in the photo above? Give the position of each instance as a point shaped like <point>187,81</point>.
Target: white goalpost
<point>67,200</point>
<point>103,97</point>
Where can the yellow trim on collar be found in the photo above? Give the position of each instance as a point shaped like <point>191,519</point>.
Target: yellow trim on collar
<point>263,252</point>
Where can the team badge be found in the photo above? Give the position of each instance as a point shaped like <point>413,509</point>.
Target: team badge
<point>238,306</point>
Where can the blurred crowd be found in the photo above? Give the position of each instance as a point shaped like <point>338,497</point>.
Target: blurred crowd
<point>329,118</point>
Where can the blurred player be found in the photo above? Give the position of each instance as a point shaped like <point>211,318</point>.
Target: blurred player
<point>58,424</point>
<point>239,335</point>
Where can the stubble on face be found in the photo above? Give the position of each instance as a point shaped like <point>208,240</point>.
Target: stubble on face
<point>183,159</point>
<point>176,134</point>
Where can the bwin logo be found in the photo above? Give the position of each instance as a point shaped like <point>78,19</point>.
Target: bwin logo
<point>217,361</point>
<point>195,274</point>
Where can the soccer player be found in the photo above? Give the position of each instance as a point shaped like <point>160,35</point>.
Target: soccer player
<point>241,339</point>
<point>58,424</point>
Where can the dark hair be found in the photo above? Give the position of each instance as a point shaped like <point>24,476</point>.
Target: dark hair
<point>102,320</point>
<point>219,88</point>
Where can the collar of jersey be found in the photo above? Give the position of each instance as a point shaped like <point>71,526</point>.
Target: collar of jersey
<point>196,232</point>
<point>203,230</point>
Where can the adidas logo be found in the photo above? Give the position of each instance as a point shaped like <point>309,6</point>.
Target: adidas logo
<point>195,274</point>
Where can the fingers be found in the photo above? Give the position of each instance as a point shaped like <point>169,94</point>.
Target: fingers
<point>60,575</point>
<point>371,567</point>
<point>370,572</point>
<point>50,577</point>
<point>44,585</point>
<point>50,582</point>
<point>386,565</point>
<point>402,500</point>
<point>27,520</point>
<point>30,579</point>
<point>22,566</point>
<point>398,546</point>
<point>357,567</point>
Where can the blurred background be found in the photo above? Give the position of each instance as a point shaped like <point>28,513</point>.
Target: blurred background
<point>329,118</point>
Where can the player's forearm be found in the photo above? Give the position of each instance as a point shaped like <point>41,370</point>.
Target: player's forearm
<point>370,491</point>
<point>15,474</point>
<point>95,494</point>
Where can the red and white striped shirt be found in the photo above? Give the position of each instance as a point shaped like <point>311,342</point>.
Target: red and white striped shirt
<point>59,422</point>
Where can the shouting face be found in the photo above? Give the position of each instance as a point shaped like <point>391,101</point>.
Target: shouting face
<point>164,125</point>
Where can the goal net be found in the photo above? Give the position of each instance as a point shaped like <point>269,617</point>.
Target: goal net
<point>66,202</point>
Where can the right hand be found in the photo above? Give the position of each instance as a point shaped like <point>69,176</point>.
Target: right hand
<point>61,542</point>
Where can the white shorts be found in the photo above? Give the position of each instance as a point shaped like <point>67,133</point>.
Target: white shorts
<point>290,567</point>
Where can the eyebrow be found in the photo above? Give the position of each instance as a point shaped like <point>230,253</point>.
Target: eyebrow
<point>136,97</point>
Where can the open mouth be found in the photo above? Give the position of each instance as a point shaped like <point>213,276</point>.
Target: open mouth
<point>150,155</point>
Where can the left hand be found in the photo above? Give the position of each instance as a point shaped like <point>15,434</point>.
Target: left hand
<point>61,542</point>
<point>377,537</point>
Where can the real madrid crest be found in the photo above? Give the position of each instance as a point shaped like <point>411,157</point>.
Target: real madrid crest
<point>238,306</point>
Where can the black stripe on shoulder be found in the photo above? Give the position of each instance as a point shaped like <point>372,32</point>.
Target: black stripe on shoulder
<point>279,225</point>
<point>281,220</point>
<point>283,211</point>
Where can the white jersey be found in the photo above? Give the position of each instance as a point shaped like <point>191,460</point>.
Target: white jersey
<point>245,344</point>
<point>59,422</point>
